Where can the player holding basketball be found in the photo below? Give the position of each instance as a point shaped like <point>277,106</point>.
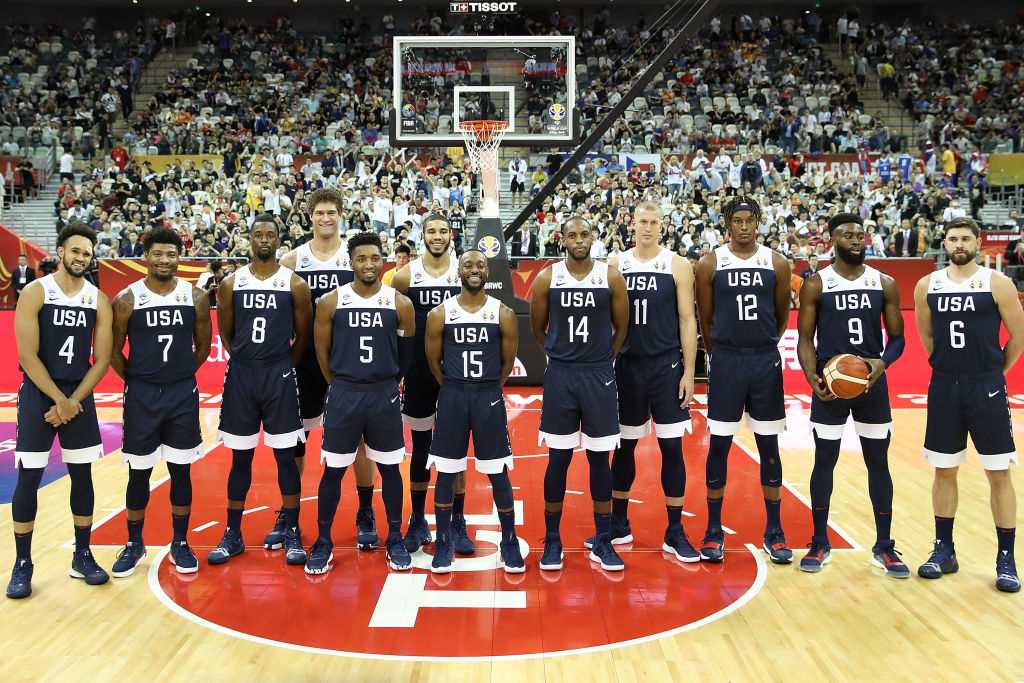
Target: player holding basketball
<point>360,330</point>
<point>428,281</point>
<point>471,343</point>
<point>161,317</point>
<point>743,305</point>
<point>846,304</point>
<point>579,314</point>
<point>654,374</point>
<point>259,308</point>
<point>323,263</point>
<point>58,318</point>
<point>959,311</point>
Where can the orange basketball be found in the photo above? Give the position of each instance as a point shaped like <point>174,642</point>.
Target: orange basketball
<point>846,375</point>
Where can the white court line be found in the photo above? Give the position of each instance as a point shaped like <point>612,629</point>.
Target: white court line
<point>204,527</point>
<point>255,509</point>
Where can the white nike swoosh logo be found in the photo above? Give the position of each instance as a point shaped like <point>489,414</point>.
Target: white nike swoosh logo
<point>395,399</point>
<point>675,364</point>
<point>777,363</point>
<point>993,394</point>
<point>609,382</point>
<point>286,375</point>
<point>494,403</point>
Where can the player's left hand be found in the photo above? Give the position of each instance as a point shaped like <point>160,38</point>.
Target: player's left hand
<point>685,391</point>
<point>53,418</point>
<point>877,366</point>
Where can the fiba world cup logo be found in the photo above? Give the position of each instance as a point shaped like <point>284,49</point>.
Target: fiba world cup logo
<point>556,111</point>
<point>490,246</point>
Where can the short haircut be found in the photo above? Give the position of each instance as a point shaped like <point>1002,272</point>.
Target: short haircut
<point>473,250</point>
<point>161,236</point>
<point>436,216</point>
<point>402,248</point>
<point>263,218</point>
<point>73,229</point>
<point>741,202</point>
<point>842,219</point>
<point>648,205</point>
<point>579,218</point>
<point>962,222</point>
<point>363,239</point>
<point>326,195</point>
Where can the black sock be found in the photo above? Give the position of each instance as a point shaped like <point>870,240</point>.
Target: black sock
<point>82,534</point>
<point>772,509</point>
<point>552,520</point>
<point>675,514</point>
<point>179,523</point>
<point>1005,539</point>
<point>459,504</point>
<point>602,522</point>
<point>619,508</point>
<point>135,530</point>
<point>328,495</point>
<point>944,529</point>
<point>507,520</point>
<point>365,494</point>
<point>23,545</point>
<point>444,495</point>
<point>235,519</point>
<point>715,512</point>
<point>419,502</point>
<point>291,516</point>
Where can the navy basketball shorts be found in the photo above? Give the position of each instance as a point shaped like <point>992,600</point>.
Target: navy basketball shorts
<point>161,422</point>
<point>312,391</point>
<point>260,392</point>
<point>872,417</point>
<point>419,396</point>
<point>579,395</point>
<point>747,380</point>
<point>477,409</point>
<point>370,412</point>
<point>649,386</point>
<point>79,439</point>
<point>959,405</point>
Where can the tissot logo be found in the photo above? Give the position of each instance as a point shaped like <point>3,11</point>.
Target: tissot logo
<point>464,7</point>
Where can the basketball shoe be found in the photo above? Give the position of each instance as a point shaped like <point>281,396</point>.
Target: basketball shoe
<point>604,552</point>
<point>461,541</point>
<point>21,580</point>
<point>366,529</point>
<point>128,558</point>
<point>275,539</point>
<point>444,555</point>
<point>775,546</point>
<point>511,557</point>
<point>886,557</point>
<point>713,547</point>
<point>1006,573</point>
<point>551,558</point>
<point>320,556</point>
<point>83,566</point>
<point>231,544</point>
<point>819,553</point>
<point>294,553</point>
<point>397,553</point>
<point>182,557</point>
<point>418,533</point>
<point>620,534</point>
<point>942,561</point>
<point>678,543</point>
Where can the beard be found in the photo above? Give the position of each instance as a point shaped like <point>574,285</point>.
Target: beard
<point>473,289</point>
<point>68,269</point>
<point>430,248</point>
<point>848,257</point>
<point>264,256</point>
<point>962,259</point>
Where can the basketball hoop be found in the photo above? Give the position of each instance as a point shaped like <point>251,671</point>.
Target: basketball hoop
<point>482,139</point>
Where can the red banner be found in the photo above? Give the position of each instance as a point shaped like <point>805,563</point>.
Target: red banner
<point>12,246</point>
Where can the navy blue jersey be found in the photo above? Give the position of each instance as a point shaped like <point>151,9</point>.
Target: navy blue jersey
<point>653,310</point>
<point>264,315</point>
<point>160,334</point>
<point>965,324</point>
<point>427,292</point>
<point>744,299</point>
<point>472,343</point>
<point>365,343</point>
<point>579,315</point>
<point>323,277</point>
<point>850,314</point>
<point>66,324</point>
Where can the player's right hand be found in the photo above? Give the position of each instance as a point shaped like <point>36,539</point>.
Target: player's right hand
<point>819,388</point>
<point>67,409</point>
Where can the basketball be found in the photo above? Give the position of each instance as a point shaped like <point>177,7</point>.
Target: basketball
<point>846,375</point>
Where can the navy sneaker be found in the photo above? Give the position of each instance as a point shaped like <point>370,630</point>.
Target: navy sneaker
<point>819,553</point>
<point>444,555</point>
<point>294,553</point>
<point>604,553</point>
<point>678,543</point>
<point>775,546</point>
<point>83,566</point>
<point>21,580</point>
<point>182,557</point>
<point>128,558</point>
<point>620,534</point>
<point>231,544</point>
<point>511,557</point>
<point>1006,573</point>
<point>397,553</point>
<point>551,559</point>
<point>942,561</point>
<point>275,539</point>
<point>713,547</point>
<point>320,556</point>
<point>366,529</point>
<point>461,541</point>
<point>418,533</point>
<point>884,556</point>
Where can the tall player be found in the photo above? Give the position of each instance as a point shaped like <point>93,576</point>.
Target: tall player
<point>166,322</point>
<point>959,311</point>
<point>323,263</point>
<point>361,328</point>
<point>58,318</point>
<point>846,304</point>
<point>428,281</point>
<point>471,343</point>
<point>654,374</point>
<point>259,308</point>
<point>743,305</point>
<point>579,314</point>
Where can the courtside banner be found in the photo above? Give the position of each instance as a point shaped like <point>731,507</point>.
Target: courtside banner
<point>12,246</point>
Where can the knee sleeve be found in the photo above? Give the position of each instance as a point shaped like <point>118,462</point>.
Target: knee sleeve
<point>554,475</point>
<point>136,496</point>
<point>82,496</point>
<point>25,501</point>
<point>600,475</point>
<point>418,471</point>
<point>718,461</point>
<point>240,476</point>
<point>287,471</point>
<point>181,484</point>
<point>502,488</point>
<point>391,490</point>
<point>673,470</point>
<point>771,464</point>
<point>624,465</point>
<point>300,449</point>
<point>444,488</point>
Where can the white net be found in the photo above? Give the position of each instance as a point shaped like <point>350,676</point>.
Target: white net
<point>482,140</point>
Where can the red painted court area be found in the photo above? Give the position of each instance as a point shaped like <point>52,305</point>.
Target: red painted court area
<point>361,607</point>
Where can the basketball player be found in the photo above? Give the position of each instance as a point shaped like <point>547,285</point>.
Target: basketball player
<point>743,305</point>
<point>959,309</point>
<point>161,316</point>
<point>428,281</point>
<point>654,374</point>
<point>259,308</point>
<point>323,263</point>
<point>59,316</point>
<point>471,342</point>
<point>579,314</point>
<point>361,328</point>
<point>846,304</point>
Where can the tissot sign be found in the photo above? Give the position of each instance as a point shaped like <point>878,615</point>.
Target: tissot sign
<point>467,7</point>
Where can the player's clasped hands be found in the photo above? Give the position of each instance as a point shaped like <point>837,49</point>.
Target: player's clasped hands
<point>63,412</point>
